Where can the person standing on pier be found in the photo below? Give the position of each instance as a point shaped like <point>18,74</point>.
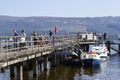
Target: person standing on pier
<point>15,38</point>
<point>104,36</point>
<point>50,37</point>
<point>23,39</point>
<point>50,33</point>
<point>35,38</point>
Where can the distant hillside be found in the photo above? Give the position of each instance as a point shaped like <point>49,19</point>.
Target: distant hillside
<point>111,25</point>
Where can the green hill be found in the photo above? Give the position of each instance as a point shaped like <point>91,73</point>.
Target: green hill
<point>111,25</point>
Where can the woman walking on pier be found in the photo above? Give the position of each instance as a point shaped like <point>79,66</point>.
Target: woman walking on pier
<point>23,39</point>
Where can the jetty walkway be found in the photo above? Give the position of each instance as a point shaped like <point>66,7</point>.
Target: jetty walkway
<point>16,54</point>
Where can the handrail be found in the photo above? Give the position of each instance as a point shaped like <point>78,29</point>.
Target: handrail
<point>7,43</point>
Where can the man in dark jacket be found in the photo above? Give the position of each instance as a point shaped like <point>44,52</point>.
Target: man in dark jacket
<point>15,38</point>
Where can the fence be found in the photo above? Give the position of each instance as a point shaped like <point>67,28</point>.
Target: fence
<point>8,43</point>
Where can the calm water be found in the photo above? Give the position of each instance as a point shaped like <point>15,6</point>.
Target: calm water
<point>109,70</point>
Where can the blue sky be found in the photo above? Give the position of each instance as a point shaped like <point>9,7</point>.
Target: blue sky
<point>60,8</point>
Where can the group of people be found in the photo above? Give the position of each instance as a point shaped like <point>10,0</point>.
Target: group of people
<point>102,36</point>
<point>23,38</point>
<point>40,40</point>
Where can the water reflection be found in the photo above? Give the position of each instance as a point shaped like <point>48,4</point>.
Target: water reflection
<point>62,72</point>
<point>68,73</point>
<point>85,73</point>
<point>91,70</point>
<point>109,70</point>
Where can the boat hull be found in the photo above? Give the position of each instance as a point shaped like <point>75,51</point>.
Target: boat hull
<point>101,50</point>
<point>91,62</point>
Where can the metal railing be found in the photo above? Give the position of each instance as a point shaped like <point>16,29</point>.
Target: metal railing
<point>12,43</point>
<point>13,47</point>
<point>8,43</point>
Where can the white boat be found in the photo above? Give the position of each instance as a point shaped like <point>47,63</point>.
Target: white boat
<point>91,59</point>
<point>102,50</point>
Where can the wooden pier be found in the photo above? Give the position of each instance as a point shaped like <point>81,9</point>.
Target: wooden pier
<point>20,57</point>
